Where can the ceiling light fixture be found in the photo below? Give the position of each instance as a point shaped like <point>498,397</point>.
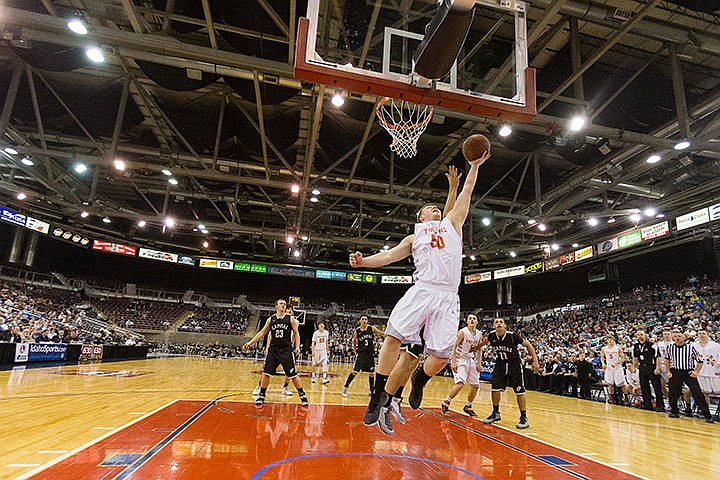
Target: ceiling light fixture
<point>592,221</point>
<point>84,214</point>
<point>165,171</point>
<point>575,245</point>
<point>472,257</point>
<point>577,123</point>
<point>304,238</point>
<point>21,196</point>
<point>555,247</point>
<point>505,130</point>
<point>635,217</point>
<point>296,253</point>
<point>542,227</point>
<point>80,168</point>
<point>513,254</point>
<point>315,191</point>
<point>76,25</point>
<point>660,215</point>
<point>10,151</point>
<point>682,145</point>
<point>119,164</point>
<point>314,199</point>
<point>295,188</point>
<point>290,239</point>
<point>107,220</point>
<point>337,99</point>
<point>486,221</point>
<point>95,54</point>
<point>27,161</point>
<point>169,222</point>
<point>205,244</point>
<point>142,223</point>
<point>611,220</point>
<point>172,181</point>
<point>653,159</point>
<point>531,221</point>
<point>650,212</point>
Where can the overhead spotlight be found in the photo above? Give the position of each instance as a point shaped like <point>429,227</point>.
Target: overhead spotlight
<point>505,130</point>
<point>386,247</point>
<point>107,220</point>
<point>142,223</point>
<point>169,222</point>
<point>635,217</point>
<point>314,199</point>
<point>296,253</point>
<point>682,145</point>
<point>10,151</point>
<point>472,257</point>
<point>204,232</point>
<point>80,168</point>
<point>84,214</point>
<point>592,221</point>
<point>95,54</point>
<point>650,212</point>
<point>486,221</point>
<point>575,245</point>
<point>653,159</point>
<point>201,226</point>
<point>295,188</point>
<point>315,191</point>
<point>611,220</point>
<point>577,123</point>
<point>531,221</point>
<point>290,239</point>
<point>172,181</point>
<point>165,171</point>
<point>21,196</point>
<point>555,247</point>
<point>205,244</point>
<point>660,215</point>
<point>119,164</point>
<point>27,161</point>
<point>76,25</point>
<point>513,254</point>
<point>542,227</point>
<point>304,238</point>
<point>337,99</point>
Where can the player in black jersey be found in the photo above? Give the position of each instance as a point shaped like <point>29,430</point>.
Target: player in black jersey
<point>283,330</point>
<point>364,348</point>
<point>508,369</point>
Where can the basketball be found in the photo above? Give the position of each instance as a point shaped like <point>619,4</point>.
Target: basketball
<point>475,147</point>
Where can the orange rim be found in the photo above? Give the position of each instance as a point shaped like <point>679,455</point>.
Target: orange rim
<point>391,126</point>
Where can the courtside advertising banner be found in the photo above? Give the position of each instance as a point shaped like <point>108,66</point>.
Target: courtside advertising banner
<point>552,263</point>
<point>567,258</point>
<point>693,219</point>
<point>406,279</point>
<point>361,277</point>
<point>509,272</point>
<point>158,255</point>
<point>655,231</point>
<point>607,246</point>
<point>185,260</point>
<point>21,352</point>
<point>37,225</point>
<point>478,277</point>
<point>47,352</point>
<point>582,253</point>
<point>208,263</point>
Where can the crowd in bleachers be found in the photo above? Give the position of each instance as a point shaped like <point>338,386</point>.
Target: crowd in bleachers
<point>228,321</point>
<point>139,314</point>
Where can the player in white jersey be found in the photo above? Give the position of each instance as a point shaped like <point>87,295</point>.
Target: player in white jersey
<point>709,354</point>
<point>612,358</point>
<point>431,303</point>
<point>662,347</point>
<point>320,352</point>
<point>463,366</point>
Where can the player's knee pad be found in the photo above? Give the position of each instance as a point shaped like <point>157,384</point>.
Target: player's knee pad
<point>414,349</point>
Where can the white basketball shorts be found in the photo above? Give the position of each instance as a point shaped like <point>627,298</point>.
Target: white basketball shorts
<point>615,376</point>
<point>467,372</point>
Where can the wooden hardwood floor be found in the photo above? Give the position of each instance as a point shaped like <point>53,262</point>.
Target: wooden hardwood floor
<point>48,412</point>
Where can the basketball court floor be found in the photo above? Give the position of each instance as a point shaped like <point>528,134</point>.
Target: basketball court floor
<point>187,418</point>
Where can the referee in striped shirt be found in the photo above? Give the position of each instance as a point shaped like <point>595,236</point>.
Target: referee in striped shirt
<point>683,366</point>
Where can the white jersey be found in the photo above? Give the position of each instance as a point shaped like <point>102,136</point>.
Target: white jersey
<point>710,356</point>
<point>662,346</point>
<point>437,253</point>
<point>470,341</point>
<point>320,341</point>
<point>612,356</point>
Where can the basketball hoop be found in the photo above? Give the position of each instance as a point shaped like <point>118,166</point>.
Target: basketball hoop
<point>405,122</point>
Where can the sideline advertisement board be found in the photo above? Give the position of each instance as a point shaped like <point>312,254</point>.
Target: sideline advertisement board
<point>47,352</point>
<point>112,247</point>
<point>478,277</point>
<point>402,279</point>
<point>37,225</point>
<point>655,231</point>
<point>158,255</point>
<point>586,252</point>
<point>509,272</point>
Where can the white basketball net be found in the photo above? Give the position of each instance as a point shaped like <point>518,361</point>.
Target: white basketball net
<point>405,122</point>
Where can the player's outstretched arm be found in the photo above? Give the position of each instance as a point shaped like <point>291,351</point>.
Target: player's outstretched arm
<point>386,257</point>
<point>453,358</point>
<point>462,206</point>
<point>377,331</point>
<point>257,336</point>
<point>453,182</point>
